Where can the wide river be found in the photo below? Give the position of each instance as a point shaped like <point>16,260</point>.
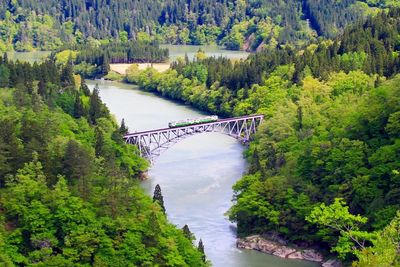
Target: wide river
<point>196,175</point>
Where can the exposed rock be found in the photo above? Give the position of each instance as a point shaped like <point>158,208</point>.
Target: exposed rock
<point>296,255</point>
<point>332,263</point>
<point>273,236</point>
<point>312,255</point>
<point>143,176</point>
<point>259,243</point>
<point>283,251</point>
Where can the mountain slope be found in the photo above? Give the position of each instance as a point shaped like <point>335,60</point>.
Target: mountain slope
<point>28,24</point>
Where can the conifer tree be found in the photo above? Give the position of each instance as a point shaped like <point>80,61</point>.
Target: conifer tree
<point>79,110</point>
<point>84,87</point>
<point>200,248</point>
<point>123,129</point>
<point>95,108</point>
<point>105,66</point>
<point>99,142</point>
<point>42,88</point>
<point>67,74</point>
<point>188,234</point>
<point>157,197</point>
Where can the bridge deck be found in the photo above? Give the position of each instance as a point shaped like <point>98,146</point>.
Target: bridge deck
<point>183,127</point>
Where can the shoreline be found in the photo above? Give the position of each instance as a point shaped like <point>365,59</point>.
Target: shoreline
<point>275,248</point>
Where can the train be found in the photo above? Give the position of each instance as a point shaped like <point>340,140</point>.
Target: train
<point>195,121</point>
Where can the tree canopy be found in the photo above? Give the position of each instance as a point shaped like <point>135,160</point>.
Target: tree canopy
<point>69,192</point>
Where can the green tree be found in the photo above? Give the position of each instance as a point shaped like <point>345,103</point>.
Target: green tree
<point>123,36</point>
<point>105,65</point>
<point>188,234</point>
<point>67,74</point>
<point>99,146</point>
<point>4,76</point>
<point>200,248</point>
<point>123,129</point>
<point>84,87</point>
<point>384,251</point>
<point>158,197</point>
<point>95,106</point>
<point>79,110</point>
<point>338,217</point>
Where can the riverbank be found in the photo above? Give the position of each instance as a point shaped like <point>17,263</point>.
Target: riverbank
<point>279,249</point>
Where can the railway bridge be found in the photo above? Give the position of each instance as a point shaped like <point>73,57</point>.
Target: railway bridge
<point>152,143</point>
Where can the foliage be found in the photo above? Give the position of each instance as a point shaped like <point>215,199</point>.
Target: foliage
<point>337,217</point>
<point>385,249</point>
<point>330,132</point>
<point>250,25</point>
<point>69,191</point>
<point>158,198</point>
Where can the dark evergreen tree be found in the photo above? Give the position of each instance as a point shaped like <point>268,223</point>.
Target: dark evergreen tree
<point>79,110</point>
<point>157,197</point>
<point>123,129</point>
<point>67,75</point>
<point>95,108</point>
<point>85,89</point>
<point>99,145</point>
<point>105,65</point>
<point>77,162</point>
<point>200,248</point>
<point>42,88</point>
<point>188,234</point>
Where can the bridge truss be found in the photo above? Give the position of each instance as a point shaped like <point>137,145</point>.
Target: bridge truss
<point>152,143</point>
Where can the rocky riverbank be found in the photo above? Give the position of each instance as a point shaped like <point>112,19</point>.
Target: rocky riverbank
<point>261,244</point>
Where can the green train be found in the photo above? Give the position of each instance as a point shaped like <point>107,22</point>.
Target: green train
<point>188,122</point>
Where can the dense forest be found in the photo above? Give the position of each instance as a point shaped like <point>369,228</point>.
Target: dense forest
<point>324,167</point>
<point>69,193</point>
<point>239,24</point>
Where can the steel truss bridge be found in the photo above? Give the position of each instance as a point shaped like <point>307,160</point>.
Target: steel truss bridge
<point>152,143</point>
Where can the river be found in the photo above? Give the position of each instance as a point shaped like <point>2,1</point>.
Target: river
<point>175,51</point>
<point>196,175</point>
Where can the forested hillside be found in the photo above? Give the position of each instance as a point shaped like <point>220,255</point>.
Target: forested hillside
<point>237,24</point>
<point>329,148</point>
<point>69,193</point>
